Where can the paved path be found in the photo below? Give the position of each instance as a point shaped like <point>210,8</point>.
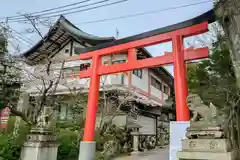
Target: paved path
<point>157,154</point>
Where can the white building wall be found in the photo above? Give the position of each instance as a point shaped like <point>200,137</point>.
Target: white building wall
<point>61,54</point>
<point>119,78</point>
<point>154,91</point>
<point>141,83</point>
<point>165,96</point>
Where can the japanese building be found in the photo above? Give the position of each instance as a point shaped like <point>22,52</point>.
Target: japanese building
<point>148,88</point>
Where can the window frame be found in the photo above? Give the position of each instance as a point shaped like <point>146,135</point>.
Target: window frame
<point>156,83</point>
<point>166,89</point>
<point>138,73</point>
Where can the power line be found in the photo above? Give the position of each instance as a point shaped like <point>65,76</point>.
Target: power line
<point>144,13</point>
<point>72,12</point>
<point>60,11</point>
<point>29,41</point>
<point>46,10</point>
<point>140,14</point>
<point>123,17</point>
<point>22,37</point>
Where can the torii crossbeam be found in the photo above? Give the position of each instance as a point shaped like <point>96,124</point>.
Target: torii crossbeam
<point>129,45</point>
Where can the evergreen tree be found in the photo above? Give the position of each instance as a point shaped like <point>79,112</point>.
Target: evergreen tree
<point>9,77</point>
<point>214,80</point>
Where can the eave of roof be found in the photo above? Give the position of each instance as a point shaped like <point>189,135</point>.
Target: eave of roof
<point>75,32</point>
<point>79,35</point>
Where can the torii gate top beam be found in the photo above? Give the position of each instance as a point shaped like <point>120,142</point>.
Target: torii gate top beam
<point>145,63</point>
<point>185,32</point>
<point>206,17</point>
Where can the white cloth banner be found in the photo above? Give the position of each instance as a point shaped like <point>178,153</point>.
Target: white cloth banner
<point>177,133</point>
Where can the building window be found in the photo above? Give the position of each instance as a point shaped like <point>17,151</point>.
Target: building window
<point>118,61</point>
<point>155,83</point>
<point>66,50</point>
<point>84,66</point>
<point>166,89</point>
<point>138,72</point>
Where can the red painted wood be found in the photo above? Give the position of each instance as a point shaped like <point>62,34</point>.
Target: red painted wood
<point>180,77</point>
<point>150,62</point>
<point>185,32</point>
<point>132,55</point>
<point>178,57</point>
<point>145,63</point>
<point>92,106</point>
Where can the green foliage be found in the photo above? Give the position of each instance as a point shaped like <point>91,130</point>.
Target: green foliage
<point>9,78</point>
<point>214,80</point>
<point>69,144</point>
<point>111,141</point>
<point>10,143</point>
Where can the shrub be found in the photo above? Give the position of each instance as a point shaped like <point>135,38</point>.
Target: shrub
<point>10,143</point>
<point>69,144</point>
<point>111,141</point>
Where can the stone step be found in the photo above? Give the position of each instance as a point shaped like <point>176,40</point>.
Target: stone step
<point>205,156</point>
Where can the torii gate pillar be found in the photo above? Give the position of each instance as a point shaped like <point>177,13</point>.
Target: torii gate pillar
<point>180,79</point>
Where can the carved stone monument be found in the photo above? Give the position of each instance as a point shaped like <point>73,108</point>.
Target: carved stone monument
<point>41,144</point>
<point>206,140</point>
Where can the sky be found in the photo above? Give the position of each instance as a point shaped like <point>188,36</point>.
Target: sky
<point>126,27</point>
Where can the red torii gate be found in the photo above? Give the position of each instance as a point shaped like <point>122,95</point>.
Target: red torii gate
<point>178,58</point>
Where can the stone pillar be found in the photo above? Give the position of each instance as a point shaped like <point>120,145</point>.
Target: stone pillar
<point>135,135</point>
<point>23,104</point>
<point>228,14</point>
<point>41,144</point>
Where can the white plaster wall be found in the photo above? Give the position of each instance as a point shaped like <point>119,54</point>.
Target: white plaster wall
<point>165,96</point>
<point>141,83</point>
<point>119,57</point>
<point>119,78</point>
<point>156,92</point>
<point>61,54</point>
<point>80,83</point>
